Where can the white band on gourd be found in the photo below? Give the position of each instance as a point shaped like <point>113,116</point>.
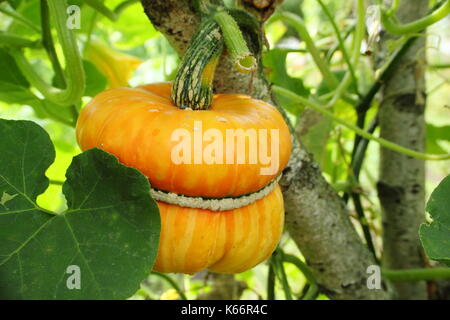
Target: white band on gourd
<point>213,204</point>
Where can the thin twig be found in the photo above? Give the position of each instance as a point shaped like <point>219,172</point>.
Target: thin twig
<point>313,290</point>
<point>172,283</point>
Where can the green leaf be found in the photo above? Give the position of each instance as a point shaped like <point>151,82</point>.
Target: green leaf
<point>95,80</point>
<point>10,71</point>
<point>14,88</point>
<point>14,3</point>
<point>29,9</point>
<point>275,63</point>
<point>134,27</point>
<point>435,237</point>
<point>315,130</point>
<point>435,134</point>
<point>339,75</point>
<point>110,230</point>
<point>13,93</point>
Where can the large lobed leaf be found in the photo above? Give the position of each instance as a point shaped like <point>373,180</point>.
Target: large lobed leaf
<point>110,231</point>
<point>436,236</point>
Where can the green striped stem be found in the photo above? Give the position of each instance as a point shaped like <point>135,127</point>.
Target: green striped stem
<point>192,87</point>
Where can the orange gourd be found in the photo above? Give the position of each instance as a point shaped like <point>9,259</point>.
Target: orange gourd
<point>136,126</point>
<point>212,161</point>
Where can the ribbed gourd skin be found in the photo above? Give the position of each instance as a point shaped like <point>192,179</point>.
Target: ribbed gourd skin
<point>136,125</point>
<point>231,241</point>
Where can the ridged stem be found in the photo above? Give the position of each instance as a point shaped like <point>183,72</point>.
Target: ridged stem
<point>171,282</point>
<point>277,262</point>
<point>394,27</point>
<point>74,75</point>
<point>313,289</point>
<point>417,274</point>
<point>299,25</point>
<point>49,45</point>
<point>357,42</point>
<point>112,15</point>
<point>101,8</point>
<point>341,44</point>
<point>271,283</point>
<point>192,87</point>
<point>243,59</point>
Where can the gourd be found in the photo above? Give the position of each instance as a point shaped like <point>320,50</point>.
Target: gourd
<point>224,216</point>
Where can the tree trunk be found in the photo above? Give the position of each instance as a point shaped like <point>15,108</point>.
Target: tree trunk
<point>401,180</point>
<point>316,217</point>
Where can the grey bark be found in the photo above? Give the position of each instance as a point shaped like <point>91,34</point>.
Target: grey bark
<point>401,180</point>
<point>316,218</point>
